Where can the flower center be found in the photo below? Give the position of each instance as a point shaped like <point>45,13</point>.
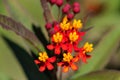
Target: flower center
<point>57,38</point>
<point>43,56</point>
<point>67,57</point>
<point>65,25</point>
<point>77,24</point>
<point>88,47</point>
<point>73,36</point>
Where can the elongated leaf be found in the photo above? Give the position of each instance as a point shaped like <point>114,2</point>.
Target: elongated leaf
<point>26,62</point>
<point>16,12</point>
<point>101,54</point>
<point>101,75</point>
<point>18,28</point>
<point>4,77</point>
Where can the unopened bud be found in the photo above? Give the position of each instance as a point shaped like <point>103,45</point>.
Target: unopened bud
<point>66,8</point>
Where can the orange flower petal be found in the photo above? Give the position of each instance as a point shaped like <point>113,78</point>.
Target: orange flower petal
<point>57,50</point>
<point>42,68</point>
<point>52,59</point>
<point>60,63</point>
<point>65,69</point>
<point>49,66</point>
<point>64,46</point>
<point>74,67</point>
<point>37,61</point>
<point>75,59</point>
<point>50,47</point>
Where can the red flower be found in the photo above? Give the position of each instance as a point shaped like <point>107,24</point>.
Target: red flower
<point>68,61</point>
<point>83,56</point>
<point>74,39</point>
<point>58,43</point>
<point>44,62</point>
<point>83,52</point>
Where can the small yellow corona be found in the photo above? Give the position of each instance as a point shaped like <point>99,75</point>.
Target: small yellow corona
<point>77,24</point>
<point>88,47</point>
<point>43,56</point>
<point>73,36</point>
<point>57,37</point>
<point>67,57</point>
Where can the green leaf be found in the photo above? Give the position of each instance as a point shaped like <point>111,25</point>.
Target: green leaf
<point>16,12</point>
<point>4,77</point>
<point>101,75</point>
<point>26,61</point>
<point>102,53</point>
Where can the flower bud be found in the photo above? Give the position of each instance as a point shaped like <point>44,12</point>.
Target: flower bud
<point>48,26</point>
<point>59,2</point>
<point>52,1</point>
<point>66,8</point>
<point>76,4</point>
<point>70,16</point>
<point>76,9</point>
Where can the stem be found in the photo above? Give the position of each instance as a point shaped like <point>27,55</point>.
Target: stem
<point>46,11</point>
<point>60,74</point>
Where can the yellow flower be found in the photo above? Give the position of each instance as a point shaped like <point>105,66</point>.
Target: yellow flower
<point>43,56</point>
<point>67,57</point>
<point>57,37</point>
<point>77,24</point>
<point>73,36</point>
<point>88,47</point>
<point>65,25</point>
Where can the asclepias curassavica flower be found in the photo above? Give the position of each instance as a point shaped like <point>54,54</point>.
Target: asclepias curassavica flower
<point>65,35</point>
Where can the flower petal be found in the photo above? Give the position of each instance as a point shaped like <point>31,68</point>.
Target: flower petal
<point>75,59</point>
<point>50,47</point>
<point>37,61</point>
<point>65,68</point>
<point>83,57</point>
<point>74,67</point>
<point>60,63</point>
<point>42,68</point>
<point>64,46</point>
<point>49,66</point>
<point>81,33</point>
<point>70,46</point>
<point>52,59</point>
<point>57,50</point>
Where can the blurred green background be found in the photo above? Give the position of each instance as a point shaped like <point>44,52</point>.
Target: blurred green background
<point>105,34</point>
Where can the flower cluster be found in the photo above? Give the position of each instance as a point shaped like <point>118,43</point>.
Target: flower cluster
<point>65,37</point>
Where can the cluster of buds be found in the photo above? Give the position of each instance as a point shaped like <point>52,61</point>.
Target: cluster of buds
<point>71,10</point>
<point>65,37</point>
<point>59,3</point>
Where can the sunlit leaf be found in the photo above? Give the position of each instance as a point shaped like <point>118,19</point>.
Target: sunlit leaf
<point>4,77</point>
<point>101,75</point>
<point>102,53</point>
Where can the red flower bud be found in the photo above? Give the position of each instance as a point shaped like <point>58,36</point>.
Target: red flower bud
<point>59,2</point>
<point>66,8</point>
<point>52,1</point>
<point>70,16</point>
<point>76,9</point>
<point>76,4</point>
<point>48,26</point>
